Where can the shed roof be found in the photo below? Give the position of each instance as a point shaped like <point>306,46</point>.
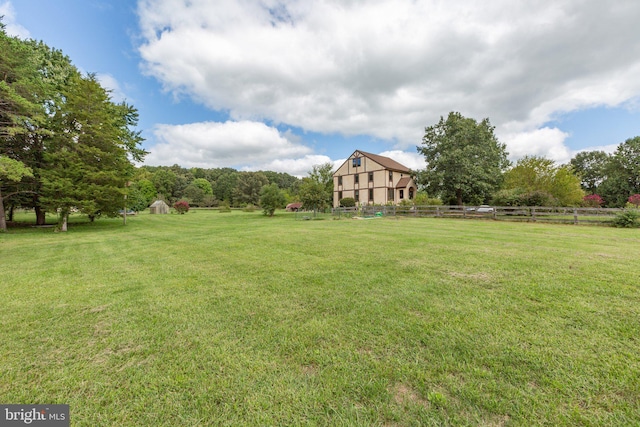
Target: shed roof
<point>158,203</point>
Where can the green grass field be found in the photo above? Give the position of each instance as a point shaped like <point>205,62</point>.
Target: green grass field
<point>238,319</point>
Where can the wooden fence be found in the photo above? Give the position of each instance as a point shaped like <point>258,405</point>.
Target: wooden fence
<point>596,216</point>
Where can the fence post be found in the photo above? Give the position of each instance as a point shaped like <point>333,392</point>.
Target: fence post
<point>575,216</point>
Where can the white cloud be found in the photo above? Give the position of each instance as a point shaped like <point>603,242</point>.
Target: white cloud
<point>299,167</point>
<point>388,68</point>
<point>9,19</point>
<point>545,142</point>
<point>414,161</point>
<point>245,144</point>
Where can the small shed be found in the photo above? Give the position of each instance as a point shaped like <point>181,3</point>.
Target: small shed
<point>159,207</point>
<point>294,207</point>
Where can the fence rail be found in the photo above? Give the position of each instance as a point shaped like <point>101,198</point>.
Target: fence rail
<point>597,216</point>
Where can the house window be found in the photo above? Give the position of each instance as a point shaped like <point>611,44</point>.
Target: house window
<point>356,179</point>
<point>371,194</point>
<point>370,176</point>
<point>357,162</point>
<point>339,180</point>
<point>401,194</point>
<point>390,194</point>
<point>357,196</point>
<point>339,195</point>
<point>411,193</point>
<point>390,175</point>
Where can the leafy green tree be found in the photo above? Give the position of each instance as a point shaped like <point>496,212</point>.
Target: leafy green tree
<point>313,194</point>
<point>271,198</point>
<point>147,190</point>
<point>224,184</point>
<point>539,181</point>
<point>249,186</point>
<point>204,185</point>
<point>622,174</point>
<point>464,159</point>
<point>323,174</point>
<point>12,170</point>
<point>591,167</point>
<point>164,181</point>
<point>194,195</point>
<point>283,180</point>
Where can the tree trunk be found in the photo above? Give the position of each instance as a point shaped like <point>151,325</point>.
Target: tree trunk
<point>65,218</point>
<point>11,213</point>
<point>459,196</point>
<point>3,222</point>
<point>40,215</point>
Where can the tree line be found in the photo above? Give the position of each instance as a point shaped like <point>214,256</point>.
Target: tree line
<point>214,187</point>
<point>466,164</point>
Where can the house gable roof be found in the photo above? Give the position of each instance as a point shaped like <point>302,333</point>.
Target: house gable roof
<point>385,162</point>
<point>403,182</point>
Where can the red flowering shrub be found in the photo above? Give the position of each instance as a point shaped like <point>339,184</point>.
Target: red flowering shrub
<point>634,200</point>
<point>181,206</point>
<point>592,200</point>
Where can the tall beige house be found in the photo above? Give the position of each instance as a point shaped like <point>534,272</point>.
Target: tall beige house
<point>372,179</point>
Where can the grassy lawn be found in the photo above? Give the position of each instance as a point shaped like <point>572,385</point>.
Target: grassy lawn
<point>238,319</point>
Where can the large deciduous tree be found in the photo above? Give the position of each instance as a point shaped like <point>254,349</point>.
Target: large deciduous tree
<point>465,160</point>
<point>591,167</point>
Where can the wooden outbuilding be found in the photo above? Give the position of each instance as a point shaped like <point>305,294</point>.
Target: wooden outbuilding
<point>159,207</point>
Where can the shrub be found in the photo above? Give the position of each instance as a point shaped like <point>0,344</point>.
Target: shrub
<point>627,219</point>
<point>423,199</point>
<point>635,200</point>
<point>506,198</point>
<point>348,202</point>
<point>249,208</point>
<point>181,206</point>
<point>271,198</point>
<point>592,201</point>
<point>224,207</point>
<point>538,198</point>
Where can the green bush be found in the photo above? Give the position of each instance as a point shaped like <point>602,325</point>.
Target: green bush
<point>249,208</point>
<point>627,219</point>
<point>348,202</point>
<point>224,207</point>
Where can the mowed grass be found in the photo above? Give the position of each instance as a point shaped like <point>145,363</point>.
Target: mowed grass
<point>238,319</point>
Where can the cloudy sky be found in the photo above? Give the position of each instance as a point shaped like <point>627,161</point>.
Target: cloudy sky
<point>285,84</point>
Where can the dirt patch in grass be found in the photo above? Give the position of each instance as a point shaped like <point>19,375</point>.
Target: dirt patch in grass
<point>403,394</point>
